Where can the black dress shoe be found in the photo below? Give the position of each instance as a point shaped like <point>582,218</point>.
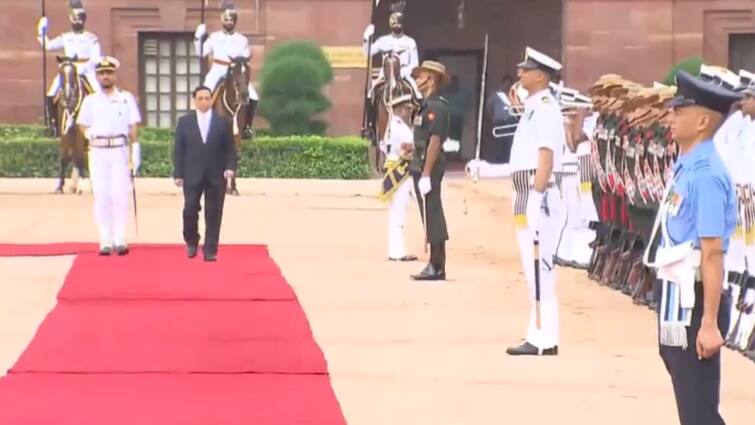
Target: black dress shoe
<point>527,349</point>
<point>430,273</point>
<point>210,257</point>
<point>191,251</point>
<point>106,251</point>
<point>121,250</point>
<point>404,258</point>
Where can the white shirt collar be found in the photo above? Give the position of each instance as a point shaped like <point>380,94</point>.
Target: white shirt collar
<point>204,115</point>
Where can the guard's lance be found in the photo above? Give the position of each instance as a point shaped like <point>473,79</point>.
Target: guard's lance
<point>480,109</point>
<point>368,73</point>
<point>201,42</point>
<point>44,68</point>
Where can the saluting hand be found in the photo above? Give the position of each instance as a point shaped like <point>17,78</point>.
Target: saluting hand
<point>709,341</point>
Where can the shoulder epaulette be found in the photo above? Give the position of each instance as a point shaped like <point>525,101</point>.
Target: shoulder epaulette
<point>701,164</point>
<point>443,99</point>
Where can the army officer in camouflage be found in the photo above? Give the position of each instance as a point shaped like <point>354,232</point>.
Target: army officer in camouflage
<point>428,164</point>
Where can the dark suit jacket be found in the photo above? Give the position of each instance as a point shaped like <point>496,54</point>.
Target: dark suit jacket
<point>193,159</point>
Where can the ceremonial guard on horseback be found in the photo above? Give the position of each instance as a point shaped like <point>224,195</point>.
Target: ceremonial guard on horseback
<point>227,47</point>
<point>394,81</point>
<point>81,47</point>
<point>74,80</point>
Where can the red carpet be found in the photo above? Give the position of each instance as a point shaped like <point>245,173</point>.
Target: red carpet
<point>166,274</point>
<point>156,338</point>
<point>237,399</point>
<point>181,336</point>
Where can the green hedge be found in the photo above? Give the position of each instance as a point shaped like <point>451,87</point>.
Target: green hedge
<point>25,152</point>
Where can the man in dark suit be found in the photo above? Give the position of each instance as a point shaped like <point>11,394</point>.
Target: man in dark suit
<point>204,160</point>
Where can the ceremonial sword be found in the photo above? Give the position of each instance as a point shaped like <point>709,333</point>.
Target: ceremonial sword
<point>536,252</point>
<point>481,106</point>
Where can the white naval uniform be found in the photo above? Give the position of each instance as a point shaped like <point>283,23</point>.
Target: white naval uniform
<point>731,150</point>
<point>576,190</point>
<point>541,126</point>
<point>575,237</point>
<point>110,116</point>
<point>86,47</point>
<point>222,47</point>
<point>399,133</point>
<point>741,147</point>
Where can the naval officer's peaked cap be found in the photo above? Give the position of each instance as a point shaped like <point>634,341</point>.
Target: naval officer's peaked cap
<point>537,60</point>
<point>694,91</point>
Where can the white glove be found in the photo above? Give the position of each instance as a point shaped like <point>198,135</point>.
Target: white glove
<point>136,157</point>
<point>383,145</point>
<point>424,185</point>
<point>201,31</point>
<point>369,31</point>
<point>534,210</point>
<point>42,27</point>
<point>749,298</point>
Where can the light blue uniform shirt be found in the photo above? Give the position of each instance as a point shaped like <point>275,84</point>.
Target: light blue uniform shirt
<point>703,200</point>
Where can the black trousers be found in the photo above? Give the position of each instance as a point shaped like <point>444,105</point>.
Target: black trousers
<point>214,197</point>
<point>696,382</point>
<point>435,221</point>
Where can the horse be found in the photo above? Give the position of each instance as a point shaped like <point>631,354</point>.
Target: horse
<point>389,90</point>
<point>231,100</point>
<point>72,145</point>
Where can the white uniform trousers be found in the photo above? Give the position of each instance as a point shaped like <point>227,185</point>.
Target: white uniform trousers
<point>548,334</point>
<point>576,235</point>
<point>397,219</point>
<point>111,185</point>
<point>218,71</point>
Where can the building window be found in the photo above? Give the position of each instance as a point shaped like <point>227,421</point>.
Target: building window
<point>169,71</point>
<point>742,52</point>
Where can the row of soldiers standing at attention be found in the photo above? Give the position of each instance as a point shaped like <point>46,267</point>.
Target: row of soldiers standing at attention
<point>632,160</point>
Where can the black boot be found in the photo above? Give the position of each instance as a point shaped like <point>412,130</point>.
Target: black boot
<point>436,268</point>
<point>248,130</point>
<point>52,119</point>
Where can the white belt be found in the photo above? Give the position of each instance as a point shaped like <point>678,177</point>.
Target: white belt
<point>108,141</point>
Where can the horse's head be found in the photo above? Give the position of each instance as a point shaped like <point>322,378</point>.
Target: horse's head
<point>69,81</point>
<point>238,76</point>
<point>392,68</point>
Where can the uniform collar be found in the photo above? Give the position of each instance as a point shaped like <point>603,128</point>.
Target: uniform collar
<point>532,100</point>
<point>116,93</point>
<point>701,150</point>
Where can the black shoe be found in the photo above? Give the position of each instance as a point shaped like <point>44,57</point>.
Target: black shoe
<point>527,349</point>
<point>121,250</point>
<point>404,258</point>
<point>106,251</point>
<point>191,251</point>
<point>430,273</point>
<point>210,257</point>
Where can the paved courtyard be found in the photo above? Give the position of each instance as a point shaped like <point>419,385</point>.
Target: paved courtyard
<point>399,352</point>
